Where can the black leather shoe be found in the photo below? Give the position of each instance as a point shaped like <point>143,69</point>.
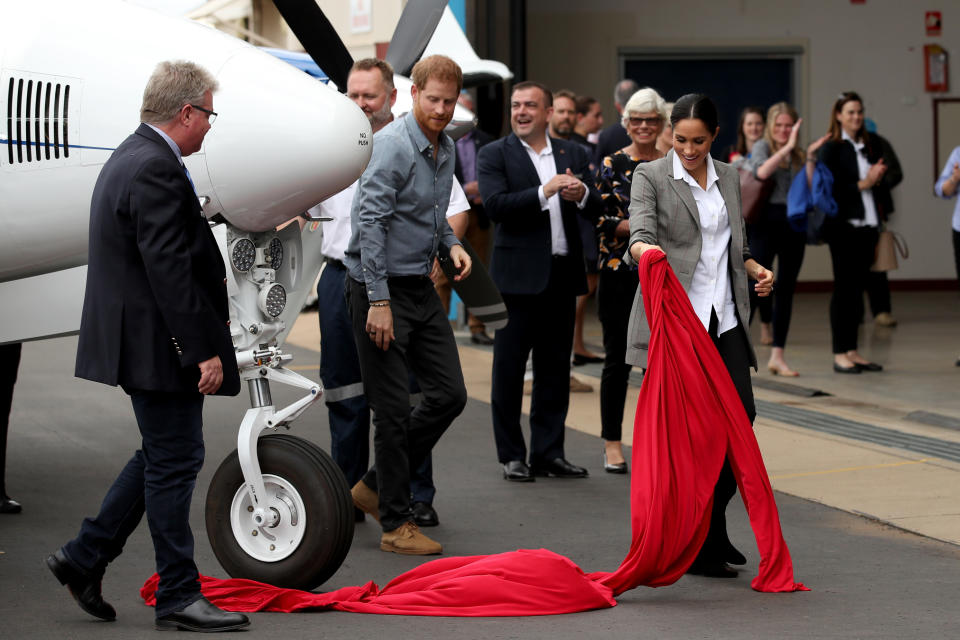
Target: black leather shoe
<point>869,366</point>
<point>712,570</point>
<point>9,505</point>
<point>733,556</point>
<point>84,589</point>
<point>517,471</point>
<point>580,359</point>
<point>854,369</point>
<point>202,616</point>
<point>425,515</point>
<point>481,338</point>
<point>559,468</point>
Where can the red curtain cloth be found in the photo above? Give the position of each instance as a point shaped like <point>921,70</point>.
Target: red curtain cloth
<point>689,418</point>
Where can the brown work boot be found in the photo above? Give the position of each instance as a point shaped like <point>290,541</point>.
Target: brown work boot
<point>408,540</point>
<point>366,499</point>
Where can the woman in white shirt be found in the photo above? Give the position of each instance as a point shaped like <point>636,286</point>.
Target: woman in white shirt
<point>688,206</point>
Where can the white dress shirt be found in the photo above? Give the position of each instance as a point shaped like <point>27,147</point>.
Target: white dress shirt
<point>336,232</point>
<point>711,287</point>
<point>870,218</point>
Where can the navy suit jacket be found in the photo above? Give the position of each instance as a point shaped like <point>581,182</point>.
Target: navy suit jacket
<point>156,295</point>
<point>522,246</point>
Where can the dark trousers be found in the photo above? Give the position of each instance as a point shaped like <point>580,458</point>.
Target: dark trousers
<point>615,293</point>
<point>9,364</point>
<point>772,236</point>
<point>542,323</point>
<point>878,292</point>
<point>956,252</point>
<point>732,346</point>
<point>159,480</point>
<point>425,347</point>
<point>852,250</point>
<point>347,408</point>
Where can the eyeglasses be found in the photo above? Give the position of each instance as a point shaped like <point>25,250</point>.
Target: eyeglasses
<point>211,115</point>
<point>650,122</point>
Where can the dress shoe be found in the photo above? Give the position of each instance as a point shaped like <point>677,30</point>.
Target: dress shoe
<point>559,468</point>
<point>517,471</point>
<point>619,467</point>
<point>839,369</point>
<point>425,515</point>
<point>869,366</point>
<point>581,359</point>
<point>366,499</point>
<point>733,556</point>
<point>885,319</point>
<point>9,505</point>
<point>84,589</point>
<point>715,569</point>
<point>481,338</point>
<point>407,540</point>
<point>202,616</point>
<point>578,386</point>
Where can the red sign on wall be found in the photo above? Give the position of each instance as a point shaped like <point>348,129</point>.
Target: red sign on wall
<point>933,23</point>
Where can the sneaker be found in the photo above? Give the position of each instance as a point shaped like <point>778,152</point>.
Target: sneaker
<point>885,319</point>
<point>366,499</point>
<point>578,386</point>
<point>407,540</point>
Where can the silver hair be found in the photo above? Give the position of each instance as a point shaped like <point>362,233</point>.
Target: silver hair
<point>645,100</point>
<point>173,84</point>
<point>623,91</point>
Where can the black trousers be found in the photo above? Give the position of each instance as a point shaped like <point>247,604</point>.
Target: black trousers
<point>732,346</point>
<point>852,250</point>
<point>878,292</point>
<point>159,480</point>
<point>615,293</point>
<point>771,237</point>
<point>956,252</point>
<point>424,346</point>
<point>9,364</point>
<point>541,323</point>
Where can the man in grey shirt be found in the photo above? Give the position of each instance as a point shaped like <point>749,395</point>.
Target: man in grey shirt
<point>398,224</point>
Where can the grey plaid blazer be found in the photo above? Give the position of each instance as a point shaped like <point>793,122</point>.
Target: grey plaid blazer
<point>663,212</point>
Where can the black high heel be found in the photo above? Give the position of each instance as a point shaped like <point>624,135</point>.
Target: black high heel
<point>620,467</point>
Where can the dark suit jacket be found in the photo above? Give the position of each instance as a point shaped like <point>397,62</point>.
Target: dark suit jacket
<point>156,297</point>
<point>522,247</point>
<point>841,158</point>
<point>611,140</point>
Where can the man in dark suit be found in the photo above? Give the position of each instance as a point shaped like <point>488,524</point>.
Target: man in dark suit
<point>478,224</point>
<point>615,137</point>
<point>154,321</point>
<point>532,188</point>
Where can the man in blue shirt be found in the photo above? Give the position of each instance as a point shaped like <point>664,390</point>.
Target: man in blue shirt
<point>398,223</point>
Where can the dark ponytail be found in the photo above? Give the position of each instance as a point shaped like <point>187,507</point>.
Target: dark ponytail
<point>697,106</point>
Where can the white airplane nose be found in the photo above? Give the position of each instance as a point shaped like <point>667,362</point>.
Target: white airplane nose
<point>282,142</point>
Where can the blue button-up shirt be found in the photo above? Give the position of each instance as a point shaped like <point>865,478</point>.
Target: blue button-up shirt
<point>398,219</point>
<point>944,176</point>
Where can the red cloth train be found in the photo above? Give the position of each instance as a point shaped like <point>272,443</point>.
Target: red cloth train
<point>688,419</point>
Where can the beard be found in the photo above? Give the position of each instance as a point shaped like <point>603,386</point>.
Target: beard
<point>381,116</point>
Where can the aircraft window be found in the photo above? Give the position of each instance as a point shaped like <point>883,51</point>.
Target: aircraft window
<point>36,119</point>
<point>26,120</point>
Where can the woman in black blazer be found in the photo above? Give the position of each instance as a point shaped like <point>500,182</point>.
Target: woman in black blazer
<point>855,159</point>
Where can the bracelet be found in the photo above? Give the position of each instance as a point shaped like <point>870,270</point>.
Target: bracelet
<point>385,303</point>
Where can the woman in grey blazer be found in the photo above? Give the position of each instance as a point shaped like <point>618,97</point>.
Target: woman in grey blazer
<point>688,206</point>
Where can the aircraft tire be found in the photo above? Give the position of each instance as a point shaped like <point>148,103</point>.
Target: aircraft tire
<point>308,496</point>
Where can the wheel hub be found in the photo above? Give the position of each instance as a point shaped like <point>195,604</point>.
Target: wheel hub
<point>283,526</point>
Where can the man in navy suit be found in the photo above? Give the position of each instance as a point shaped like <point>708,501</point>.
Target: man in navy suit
<point>155,321</point>
<point>533,188</point>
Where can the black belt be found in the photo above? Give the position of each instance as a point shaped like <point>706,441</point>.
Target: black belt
<point>409,281</point>
<point>336,263</point>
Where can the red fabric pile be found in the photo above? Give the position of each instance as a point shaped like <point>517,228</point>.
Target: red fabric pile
<point>689,418</point>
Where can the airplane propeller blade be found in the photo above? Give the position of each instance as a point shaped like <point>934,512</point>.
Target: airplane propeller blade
<point>416,26</point>
<point>319,38</point>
